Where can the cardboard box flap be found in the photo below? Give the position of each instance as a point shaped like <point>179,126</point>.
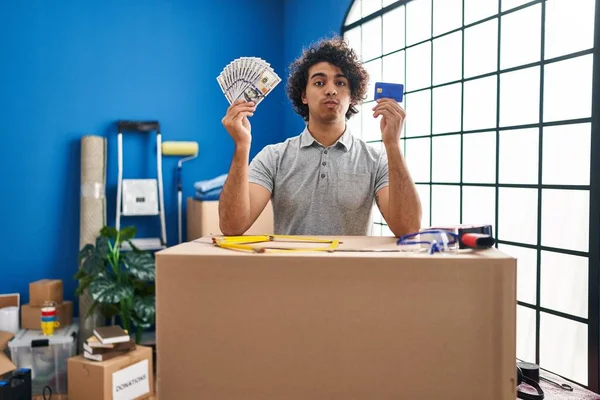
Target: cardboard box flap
<point>5,337</point>
<point>5,364</point>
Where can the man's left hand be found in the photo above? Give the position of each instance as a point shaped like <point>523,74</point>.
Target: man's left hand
<point>392,119</point>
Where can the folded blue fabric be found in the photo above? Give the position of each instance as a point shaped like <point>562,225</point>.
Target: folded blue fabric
<point>210,184</point>
<point>211,195</point>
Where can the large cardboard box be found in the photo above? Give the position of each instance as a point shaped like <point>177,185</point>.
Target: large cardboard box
<point>352,324</point>
<point>128,376</point>
<point>203,220</point>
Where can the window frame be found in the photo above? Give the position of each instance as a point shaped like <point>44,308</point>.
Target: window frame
<point>593,253</point>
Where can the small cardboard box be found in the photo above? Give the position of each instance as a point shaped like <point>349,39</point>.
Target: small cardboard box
<point>125,377</point>
<point>31,315</point>
<point>45,290</point>
<point>366,321</point>
<point>5,364</point>
<point>10,300</point>
<point>203,220</point>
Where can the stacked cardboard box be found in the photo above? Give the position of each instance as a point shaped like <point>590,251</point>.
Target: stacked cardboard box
<point>126,377</point>
<point>42,291</point>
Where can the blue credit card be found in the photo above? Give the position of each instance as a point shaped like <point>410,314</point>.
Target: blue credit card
<point>389,90</point>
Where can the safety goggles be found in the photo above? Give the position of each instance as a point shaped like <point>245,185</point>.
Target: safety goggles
<point>434,241</point>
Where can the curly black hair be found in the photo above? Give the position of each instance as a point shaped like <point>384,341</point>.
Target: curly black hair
<point>334,51</point>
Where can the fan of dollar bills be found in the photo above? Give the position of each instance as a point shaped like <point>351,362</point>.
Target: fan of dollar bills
<point>247,78</point>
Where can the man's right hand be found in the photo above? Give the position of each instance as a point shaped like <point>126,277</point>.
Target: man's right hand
<point>236,121</point>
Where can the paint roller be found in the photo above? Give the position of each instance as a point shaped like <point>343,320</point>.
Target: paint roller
<point>188,151</point>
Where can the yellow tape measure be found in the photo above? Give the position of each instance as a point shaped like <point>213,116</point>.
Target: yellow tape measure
<point>245,243</point>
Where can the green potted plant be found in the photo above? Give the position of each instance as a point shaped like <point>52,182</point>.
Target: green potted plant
<point>121,283</point>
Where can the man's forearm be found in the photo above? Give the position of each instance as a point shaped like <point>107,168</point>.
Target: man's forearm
<point>234,202</point>
<point>404,207</point>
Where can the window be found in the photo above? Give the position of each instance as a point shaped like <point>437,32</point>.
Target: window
<point>499,130</point>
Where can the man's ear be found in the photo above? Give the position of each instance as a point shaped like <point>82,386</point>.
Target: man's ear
<point>304,101</point>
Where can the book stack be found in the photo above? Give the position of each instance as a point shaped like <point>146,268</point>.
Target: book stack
<point>108,342</point>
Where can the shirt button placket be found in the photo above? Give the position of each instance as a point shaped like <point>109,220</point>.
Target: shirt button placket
<point>324,164</point>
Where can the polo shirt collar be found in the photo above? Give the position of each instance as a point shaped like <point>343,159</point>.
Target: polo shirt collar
<point>345,141</point>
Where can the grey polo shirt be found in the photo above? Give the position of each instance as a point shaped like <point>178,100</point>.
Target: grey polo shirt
<point>318,190</point>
